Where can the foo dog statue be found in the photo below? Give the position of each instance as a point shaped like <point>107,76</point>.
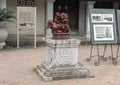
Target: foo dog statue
<point>60,26</point>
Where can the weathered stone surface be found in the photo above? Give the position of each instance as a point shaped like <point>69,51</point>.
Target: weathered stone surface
<point>66,72</point>
<point>61,61</point>
<point>2,44</point>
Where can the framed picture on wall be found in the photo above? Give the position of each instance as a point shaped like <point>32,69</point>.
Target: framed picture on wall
<point>103,33</point>
<point>96,18</point>
<point>108,18</point>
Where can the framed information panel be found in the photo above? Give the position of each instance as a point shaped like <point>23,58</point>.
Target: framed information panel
<point>26,18</point>
<point>118,24</point>
<point>103,26</point>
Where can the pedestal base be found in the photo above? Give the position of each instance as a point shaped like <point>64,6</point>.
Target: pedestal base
<point>48,73</point>
<point>61,61</point>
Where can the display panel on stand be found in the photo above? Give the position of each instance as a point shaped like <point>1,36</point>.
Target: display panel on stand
<point>103,26</point>
<point>118,24</point>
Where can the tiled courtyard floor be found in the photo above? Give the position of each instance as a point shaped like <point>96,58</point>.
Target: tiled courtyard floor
<point>16,68</point>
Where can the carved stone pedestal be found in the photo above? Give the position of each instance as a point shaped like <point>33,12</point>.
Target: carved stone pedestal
<point>62,61</point>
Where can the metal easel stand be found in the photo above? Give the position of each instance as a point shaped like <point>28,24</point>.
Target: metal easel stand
<point>101,57</point>
<point>117,55</point>
<point>98,55</point>
<point>111,57</point>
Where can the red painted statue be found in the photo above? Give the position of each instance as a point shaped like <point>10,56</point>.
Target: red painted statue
<point>60,26</point>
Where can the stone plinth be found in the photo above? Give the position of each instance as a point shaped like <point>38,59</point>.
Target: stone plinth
<point>61,61</point>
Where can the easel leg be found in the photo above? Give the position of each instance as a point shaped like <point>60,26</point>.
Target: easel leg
<point>114,61</point>
<point>117,51</point>
<point>89,59</point>
<point>98,62</point>
<point>103,57</point>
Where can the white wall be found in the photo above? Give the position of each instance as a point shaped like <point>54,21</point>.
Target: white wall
<point>12,27</point>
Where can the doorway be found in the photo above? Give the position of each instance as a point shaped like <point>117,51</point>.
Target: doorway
<point>71,7</point>
<point>106,5</point>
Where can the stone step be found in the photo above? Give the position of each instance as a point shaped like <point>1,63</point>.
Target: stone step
<point>27,40</point>
<point>48,75</point>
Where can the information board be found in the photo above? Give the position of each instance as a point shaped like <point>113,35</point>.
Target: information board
<point>103,26</point>
<point>118,24</point>
<point>26,17</point>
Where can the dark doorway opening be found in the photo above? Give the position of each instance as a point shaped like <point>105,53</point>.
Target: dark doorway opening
<point>107,5</point>
<point>71,7</point>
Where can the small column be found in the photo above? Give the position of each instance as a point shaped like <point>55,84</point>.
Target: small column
<point>90,5</point>
<point>81,17</point>
<point>49,9</point>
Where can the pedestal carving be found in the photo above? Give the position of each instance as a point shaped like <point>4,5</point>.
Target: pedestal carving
<point>61,61</point>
